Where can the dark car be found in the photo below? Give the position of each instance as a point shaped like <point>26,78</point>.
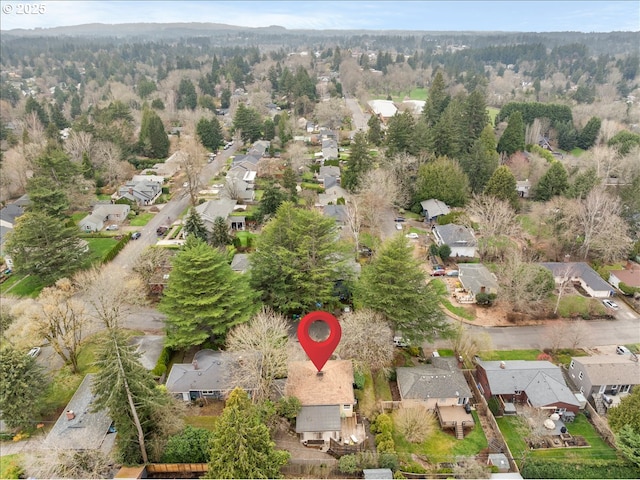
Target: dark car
<point>161,231</point>
<point>136,235</point>
<point>400,219</point>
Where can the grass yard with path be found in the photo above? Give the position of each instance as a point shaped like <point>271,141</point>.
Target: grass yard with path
<point>10,466</point>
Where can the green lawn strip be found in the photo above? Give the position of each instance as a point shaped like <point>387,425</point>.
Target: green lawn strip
<point>99,247</point>
<point>511,355</point>
<point>381,387</point>
<point>459,311</point>
<point>474,442</point>
<point>577,305</point>
<point>76,217</point>
<point>259,194</point>
<point>419,231</point>
<point>367,397</point>
<point>244,237</point>
<point>12,280</point>
<point>10,466</point>
<point>104,196</point>
<point>201,421</point>
<point>513,430</point>
<point>141,219</point>
<point>28,286</point>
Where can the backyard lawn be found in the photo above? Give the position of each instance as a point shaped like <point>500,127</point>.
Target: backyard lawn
<point>22,286</point>
<point>99,247</point>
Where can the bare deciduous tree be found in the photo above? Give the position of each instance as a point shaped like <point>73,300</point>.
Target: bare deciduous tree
<point>367,339</point>
<point>415,423</point>
<point>191,163</point>
<point>470,468</point>
<point>353,219</point>
<point>331,113</point>
<point>297,156</point>
<point>266,333</point>
<point>566,334</point>
<point>494,216</point>
<point>378,192</point>
<point>60,463</point>
<point>60,319</point>
<point>468,345</point>
<point>78,144</point>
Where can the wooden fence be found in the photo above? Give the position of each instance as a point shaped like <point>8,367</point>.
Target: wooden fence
<point>602,426</point>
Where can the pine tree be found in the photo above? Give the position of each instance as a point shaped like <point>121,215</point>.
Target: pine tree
<point>589,134</point>
<point>512,139</point>
<point>241,446</point>
<point>553,182</point>
<point>153,139</point>
<point>45,247</point>
<point>271,200</point>
<point>21,387</point>
<point>210,133</point>
<point>187,97</point>
<point>481,161</point>
<point>358,164</point>
<point>220,233</point>
<point>437,100</point>
<point>194,226</point>
<point>375,135</point>
<point>444,180</point>
<point>502,185</point>
<point>400,134</point>
<point>289,183</point>
<point>298,260</point>
<point>394,284</point>
<point>204,297</point>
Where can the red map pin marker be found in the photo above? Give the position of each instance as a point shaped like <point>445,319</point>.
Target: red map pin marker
<point>319,352</point>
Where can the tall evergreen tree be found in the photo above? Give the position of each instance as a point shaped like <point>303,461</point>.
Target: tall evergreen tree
<point>481,161</point>
<point>553,182</point>
<point>358,164</point>
<point>128,391</point>
<point>241,446</point>
<point>210,134</point>
<point>194,226</point>
<point>446,137</point>
<point>298,260</point>
<point>400,134</point>
<point>21,387</point>
<point>248,121</point>
<point>289,183</point>
<point>220,233</point>
<point>375,135</point>
<point>204,297</point>
<point>512,139</point>
<point>187,97</point>
<point>437,100</point>
<point>394,284</point>
<point>153,139</point>
<point>475,118</point>
<point>589,134</point>
<point>32,105</point>
<point>444,180</point>
<point>271,199</point>
<point>45,247</point>
<point>502,185</point>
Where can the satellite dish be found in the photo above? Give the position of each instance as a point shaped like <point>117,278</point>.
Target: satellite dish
<point>555,417</point>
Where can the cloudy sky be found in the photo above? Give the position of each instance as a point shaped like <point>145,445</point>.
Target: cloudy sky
<point>513,15</point>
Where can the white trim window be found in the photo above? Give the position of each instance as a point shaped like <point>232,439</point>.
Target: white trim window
<point>581,375</point>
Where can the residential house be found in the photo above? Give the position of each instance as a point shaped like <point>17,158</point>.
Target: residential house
<point>384,109</point>
<point>329,176</point>
<point>523,188</point>
<point>104,214</point>
<point>330,149</point>
<point>327,400</point>
<point>8,216</point>
<point>337,212</point>
<point>246,160</point>
<point>539,384</point>
<point>259,149</point>
<point>170,166</point>
<point>79,427</point>
<point>310,127</point>
<point>223,207</point>
<point>630,276</point>
<point>150,177</point>
<point>142,193</point>
<point>434,208</point>
<point>331,196</point>
<point>582,274</point>
<point>440,387</point>
<point>459,238</point>
<point>244,171</point>
<point>213,374</point>
<point>605,379</point>
<point>476,278</point>
<point>239,189</point>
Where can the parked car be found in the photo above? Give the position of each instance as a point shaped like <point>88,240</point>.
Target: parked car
<point>452,273</point>
<point>438,273</point>
<point>34,352</point>
<point>412,235</point>
<point>161,231</point>
<point>400,342</point>
<point>398,226</point>
<point>112,227</point>
<point>610,304</point>
<point>136,235</point>
<point>400,219</point>
<point>622,350</point>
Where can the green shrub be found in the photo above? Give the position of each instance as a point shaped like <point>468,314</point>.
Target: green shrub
<point>358,380</point>
<point>596,468</point>
<point>111,254</point>
<point>348,464</point>
<point>162,363</point>
<point>385,443</point>
<point>388,460</point>
<point>288,407</point>
<point>627,289</point>
<point>383,424</point>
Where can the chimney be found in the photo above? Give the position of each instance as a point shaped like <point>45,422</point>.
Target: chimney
<point>131,190</point>
<point>503,365</point>
<point>70,415</point>
<point>320,373</point>
<point>195,364</point>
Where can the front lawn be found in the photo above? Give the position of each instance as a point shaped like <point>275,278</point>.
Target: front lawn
<point>579,306</point>
<point>510,355</point>
<point>99,247</point>
<point>22,286</point>
<point>246,238</point>
<point>141,219</point>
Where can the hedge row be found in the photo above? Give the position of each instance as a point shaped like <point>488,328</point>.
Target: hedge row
<point>111,254</point>
<point>163,362</point>
<point>545,468</point>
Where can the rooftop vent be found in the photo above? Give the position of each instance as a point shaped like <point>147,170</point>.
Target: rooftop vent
<point>503,365</point>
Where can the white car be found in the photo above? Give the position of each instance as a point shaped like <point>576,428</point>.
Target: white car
<point>412,235</point>
<point>185,184</point>
<point>112,227</point>
<point>610,304</point>
<point>34,352</point>
<point>622,350</point>
<point>398,226</point>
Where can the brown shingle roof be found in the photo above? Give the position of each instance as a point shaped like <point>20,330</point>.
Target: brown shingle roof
<point>333,387</point>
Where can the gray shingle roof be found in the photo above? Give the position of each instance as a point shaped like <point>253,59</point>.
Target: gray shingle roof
<point>214,372</point>
<point>474,276</point>
<point>318,418</point>
<point>240,262</point>
<point>542,381</point>
<point>610,369</point>
<point>434,208</point>
<point>455,235</point>
<point>87,430</point>
<point>579,270</point>
<point>439,380</point>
